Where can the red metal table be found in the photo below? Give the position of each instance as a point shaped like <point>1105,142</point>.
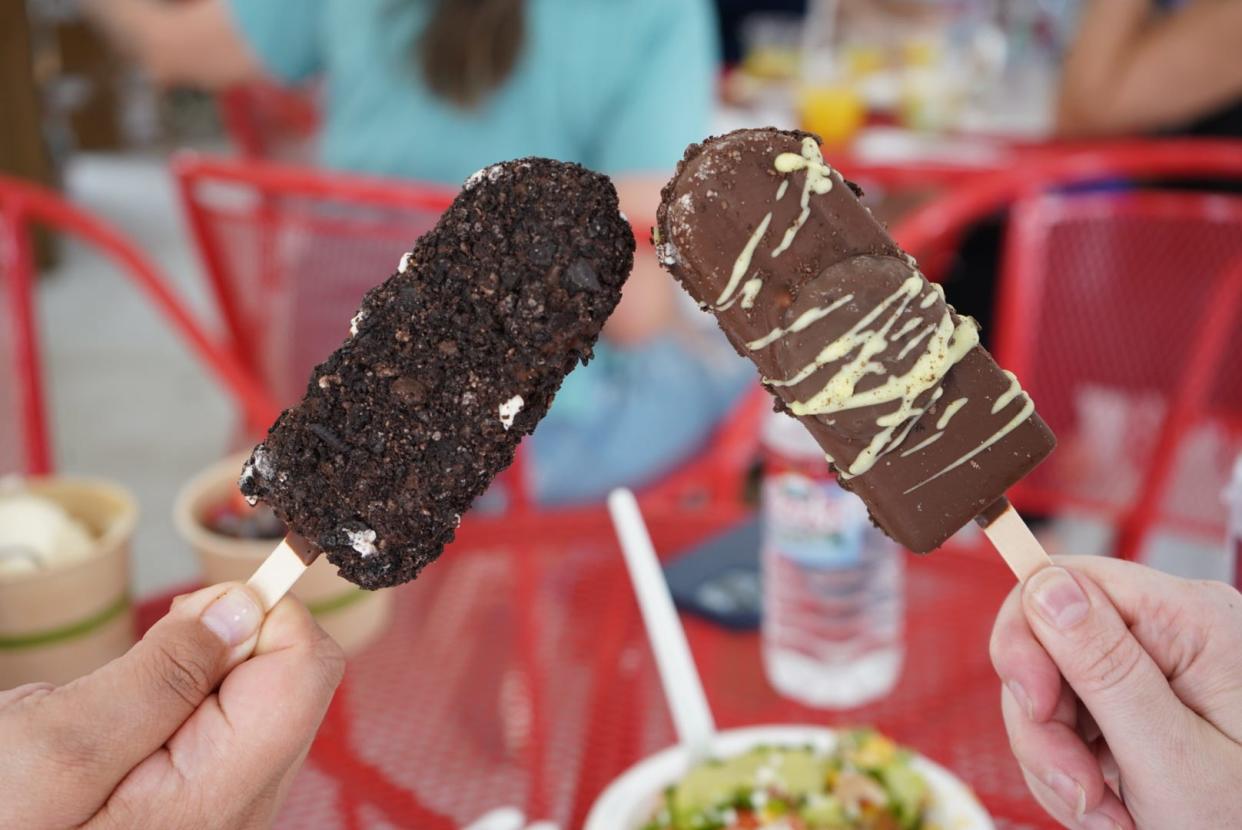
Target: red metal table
<point>516,673</point>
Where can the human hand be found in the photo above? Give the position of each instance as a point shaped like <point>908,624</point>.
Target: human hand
<point>1123,695</point>
<point>201,724</point>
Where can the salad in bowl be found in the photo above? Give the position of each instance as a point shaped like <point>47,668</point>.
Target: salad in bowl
<point>790,778</point>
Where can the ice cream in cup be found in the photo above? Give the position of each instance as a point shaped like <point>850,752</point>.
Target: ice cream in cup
<point>64,577</point>
<point>231,539</point>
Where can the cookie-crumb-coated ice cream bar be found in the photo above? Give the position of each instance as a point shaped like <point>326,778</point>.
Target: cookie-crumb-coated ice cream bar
<point>449,363</point>
<point>915,416</point>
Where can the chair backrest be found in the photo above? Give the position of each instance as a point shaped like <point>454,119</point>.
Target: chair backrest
<point>289,253</point>
<point>268,121</point>
<point>894,190</point>
<point>1090,373</point>
<point>24,444</point>
<point>1121,312</point>
<point>23,207</point>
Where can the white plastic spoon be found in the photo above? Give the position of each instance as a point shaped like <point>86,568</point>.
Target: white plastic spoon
<point>683,689</point>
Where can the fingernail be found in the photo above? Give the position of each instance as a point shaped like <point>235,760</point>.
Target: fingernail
<point>1020,695</point>
<point>1058,598</point>
<point>234,617</point>
<point>1068,790</point>
<point>1097,821</point>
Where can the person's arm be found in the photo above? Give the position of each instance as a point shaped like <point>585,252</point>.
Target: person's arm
<point>194,43</point>
<point>1131,70</point>
<point>664,62</point>
<point>647,304</point>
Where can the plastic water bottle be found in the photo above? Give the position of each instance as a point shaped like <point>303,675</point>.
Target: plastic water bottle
<point>833,596</point>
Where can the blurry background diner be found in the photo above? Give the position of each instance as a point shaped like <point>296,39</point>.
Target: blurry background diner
<point>195,194</point>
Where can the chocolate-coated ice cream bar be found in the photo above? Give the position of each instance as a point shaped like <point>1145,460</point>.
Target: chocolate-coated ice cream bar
<point>449,363</point>
<point>915,416</point>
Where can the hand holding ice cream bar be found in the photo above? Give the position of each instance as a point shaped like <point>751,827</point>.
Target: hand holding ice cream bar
<point>913,413</point>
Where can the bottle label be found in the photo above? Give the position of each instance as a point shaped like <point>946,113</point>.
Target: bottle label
<point>813,521</point>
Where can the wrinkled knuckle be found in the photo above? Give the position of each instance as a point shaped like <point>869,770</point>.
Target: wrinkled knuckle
<point>1113,666</point>
<point>183,672</point>
<point>331,659</point>
<point>71,751</point>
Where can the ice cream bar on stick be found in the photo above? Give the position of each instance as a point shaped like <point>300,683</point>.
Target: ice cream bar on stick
<point>914,415</point>
<point>448,364</point>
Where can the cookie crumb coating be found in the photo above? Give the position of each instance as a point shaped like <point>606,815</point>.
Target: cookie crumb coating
<point>408,422</point>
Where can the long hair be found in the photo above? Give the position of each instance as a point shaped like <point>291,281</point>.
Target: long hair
<point>470,47</point>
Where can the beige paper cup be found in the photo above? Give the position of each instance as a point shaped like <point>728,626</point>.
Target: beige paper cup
<point>353,617</point>
<point>62,623</point>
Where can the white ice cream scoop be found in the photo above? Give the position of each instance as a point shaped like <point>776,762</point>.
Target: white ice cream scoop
<point>37,534</point>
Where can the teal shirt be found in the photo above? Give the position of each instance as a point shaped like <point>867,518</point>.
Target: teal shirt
<point>620,86</point>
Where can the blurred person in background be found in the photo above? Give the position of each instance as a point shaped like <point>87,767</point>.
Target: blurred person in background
<point>435,90</point>
<point>1153,66</point>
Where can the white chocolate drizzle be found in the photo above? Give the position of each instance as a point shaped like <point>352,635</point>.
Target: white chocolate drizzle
<point>1013,423</point>
<point>805,319</point>
<point>742,264</point>
<point>858,334</point>
<point>926,442</point>
<point>1009,394</point>
<point>818,180</point>
<point>950,411</point>
<point>910,326</point>
<point>780,191</point>
<point>750,291</point>
<point>947,344</point>
<point>914,342</point>
<point>945,417</point>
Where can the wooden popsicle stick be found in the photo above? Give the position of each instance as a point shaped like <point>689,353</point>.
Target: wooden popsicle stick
<point>1013,540</point>
<point>282,568</point>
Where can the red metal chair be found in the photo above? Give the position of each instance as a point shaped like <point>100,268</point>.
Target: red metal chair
<point>1120,310</point>
<point>269,121</point>
<point>23,206</point>
<point>289,252</point>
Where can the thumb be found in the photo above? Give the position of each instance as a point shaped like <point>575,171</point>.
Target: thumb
<point>1114,677</point>
<point>126,710</point>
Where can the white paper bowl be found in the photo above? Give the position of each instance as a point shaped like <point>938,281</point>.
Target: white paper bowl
<point>631,799</point>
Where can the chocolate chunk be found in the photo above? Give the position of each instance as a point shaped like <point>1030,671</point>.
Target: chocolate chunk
<point>581,277</point>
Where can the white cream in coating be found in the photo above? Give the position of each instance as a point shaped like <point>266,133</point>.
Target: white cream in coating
<point>510,409</point>
<point>362,541</point>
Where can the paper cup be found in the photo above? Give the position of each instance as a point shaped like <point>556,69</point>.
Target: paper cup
<point>62,623</point>
<point>353,617</point>
<point>630,801</point>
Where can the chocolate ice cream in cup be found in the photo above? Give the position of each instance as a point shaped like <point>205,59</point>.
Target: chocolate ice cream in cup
<point>351,616</point>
